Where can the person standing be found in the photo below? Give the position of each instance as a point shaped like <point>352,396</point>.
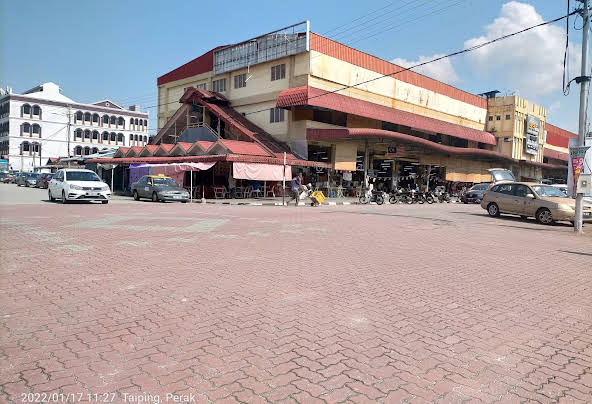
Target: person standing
<point>295,188</point>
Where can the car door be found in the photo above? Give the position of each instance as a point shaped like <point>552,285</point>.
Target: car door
<point>505,197</point>
<point>518,203</point>
<point>143,189</point>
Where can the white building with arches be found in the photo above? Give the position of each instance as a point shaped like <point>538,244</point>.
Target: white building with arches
<point>42,123</point>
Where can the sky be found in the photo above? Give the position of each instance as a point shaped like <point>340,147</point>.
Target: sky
<point>116,49</point>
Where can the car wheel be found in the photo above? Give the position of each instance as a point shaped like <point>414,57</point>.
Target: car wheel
<point>544,216</point>
<point>64,199</point>
<point>136,196</point>
<point>51,198</point>
<point>493,210</point>
<point>154,197</point>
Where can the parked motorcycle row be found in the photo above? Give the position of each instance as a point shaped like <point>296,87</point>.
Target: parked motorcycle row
<point>409,197</point>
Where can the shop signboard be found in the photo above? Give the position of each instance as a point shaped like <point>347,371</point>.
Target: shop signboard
<point>395,151</point>
<point>533,129</point>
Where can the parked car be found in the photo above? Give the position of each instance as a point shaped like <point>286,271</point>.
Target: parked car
<point>78,185</point>
<point>159,188</point>
<point>43,180</point>
<point>5,177</point>
<point>475,193</point>
<point>31,180</point>
<point>545,203</point>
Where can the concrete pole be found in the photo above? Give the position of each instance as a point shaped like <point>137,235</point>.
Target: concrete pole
<point>585,83</point>
<point>191,181</point>
<point>284,182</point>
<point>366,162</point>
<point>112,177</point>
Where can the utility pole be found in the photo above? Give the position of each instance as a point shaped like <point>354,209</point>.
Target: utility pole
<point>584,81</point>
<point>69,124</point>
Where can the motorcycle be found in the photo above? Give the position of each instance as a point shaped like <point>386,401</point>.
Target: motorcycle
<point>372,196</point>
<point>429,197</point>
<point>396,196</point>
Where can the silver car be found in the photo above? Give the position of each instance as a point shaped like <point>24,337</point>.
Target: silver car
<point>159,188</point>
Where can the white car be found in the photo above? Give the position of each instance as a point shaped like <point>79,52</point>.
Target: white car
<point>78,185</point>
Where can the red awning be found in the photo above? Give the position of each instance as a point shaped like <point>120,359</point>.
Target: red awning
<point>554,154</point>
<point>307,95</point>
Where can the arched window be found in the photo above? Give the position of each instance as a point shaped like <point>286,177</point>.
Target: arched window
<point>86,151</point>
<point>36,129</point>
<point>113,136</point>
<point>26,110</point>
<point>105,136</point>
<point>78,133</point>
<point>87,134</point>
<point>87,117</point>
<point>105,120</point>
<point>25,147</point>
<point>145,123</point>
<point>26,129</point>
<point>78,150</point>
<point>96,118</point>
<point>136,138</point>
<point>79,115</point>
<point>136,121</point>
<point>145,139</point>
<point>35,147</point>
<point>121,122</point>
<point>120,137</point>
<point>95,135</point>
<point>94,150</point>
<point>36,110</point>
<point>113,120</point>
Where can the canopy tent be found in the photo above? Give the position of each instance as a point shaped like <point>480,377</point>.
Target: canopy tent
<point>261,172</point>
<point>174,170</point>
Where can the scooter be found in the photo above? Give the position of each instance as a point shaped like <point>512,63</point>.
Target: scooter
<point>396,196</point>
<point>372,196</point>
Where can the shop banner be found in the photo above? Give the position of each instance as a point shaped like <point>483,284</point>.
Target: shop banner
<point>579,163</point>
<point>533,129</point>
<point>261,172</point>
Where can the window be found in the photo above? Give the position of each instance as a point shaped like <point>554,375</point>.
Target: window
<point>505,189</point>
<point>79,116</point>
<point>86,151</point>
<point>276,115</point>
<point>78,150</point>
<point>26,129</point>
<point>121,122</point>
<point>26,109</point>
<point>36,129</point>
<point>240,80</point>
<point>145,123</point>
<point>78,133</point>
<point>507,117</point>
<point>87,117</point>
<point>105,136</point>
<point>278,72</point>
<point>36,110</point>
<point>95,118</point>
<point>113,120</point>
<point>521,190</point>
<point>94,150</point>
<point>25,146</point>
<point>95,135</point>
<point>219,86</point>
<point>105,120</point>
<point>498,117</point>
<point>87,134</point>
<point>120,137</point>
<point>490,118</point>
<point>203,86</point>
<point>136,121</point>
<point>113,137</point>
<point>35,147</point>
<point>187,88</point>
<point>136,138</point>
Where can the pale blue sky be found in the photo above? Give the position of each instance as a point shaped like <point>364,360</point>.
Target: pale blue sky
<point>117,49</point>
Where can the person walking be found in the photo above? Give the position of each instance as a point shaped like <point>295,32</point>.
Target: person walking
<point>295,188</point>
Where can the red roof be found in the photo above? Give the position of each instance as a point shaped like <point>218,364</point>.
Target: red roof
<point>367,61</point>
<point>209,158</point>
<point>554,154</point>
<point>557,136</point>
<point>201,64</point>
<point>307,95</point>
<point>166,146</point>
<point>184,145</point>
<point>357,133</point>
<point>205,144</point>
<point>240,147</point>
<point>135,150</point>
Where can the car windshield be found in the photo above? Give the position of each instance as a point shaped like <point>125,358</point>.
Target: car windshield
<point>81,176</point>
<point>164,181</point>
<point>480,187</point>
<point>547,190</point>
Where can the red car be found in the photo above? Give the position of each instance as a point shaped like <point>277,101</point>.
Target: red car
<point>43,180</point>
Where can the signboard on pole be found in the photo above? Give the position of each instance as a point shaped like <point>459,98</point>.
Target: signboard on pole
<point>533,129</point>
<point>580,162</point>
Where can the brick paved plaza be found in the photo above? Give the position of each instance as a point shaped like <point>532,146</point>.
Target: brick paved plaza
<point>270,304</point>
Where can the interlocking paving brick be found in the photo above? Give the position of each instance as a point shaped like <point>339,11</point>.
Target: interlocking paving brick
<point>263,304</point>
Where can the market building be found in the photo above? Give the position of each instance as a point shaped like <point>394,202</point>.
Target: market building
<point>34,126</point>
<point>355,115</point>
